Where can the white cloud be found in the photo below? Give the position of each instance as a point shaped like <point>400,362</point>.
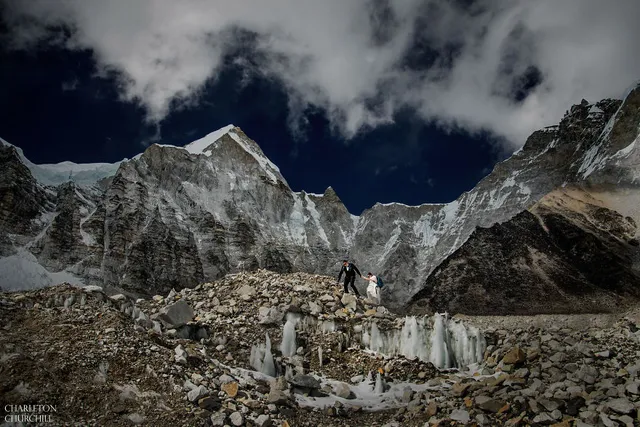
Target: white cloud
<point>348,57</point>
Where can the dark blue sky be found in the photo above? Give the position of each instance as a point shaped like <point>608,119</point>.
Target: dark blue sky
<point>55,108</point>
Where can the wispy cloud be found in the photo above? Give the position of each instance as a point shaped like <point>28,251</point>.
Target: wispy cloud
<point>505,67</point>
<point>70,85</point>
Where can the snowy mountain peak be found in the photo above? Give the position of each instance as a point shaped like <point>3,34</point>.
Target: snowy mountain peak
<point>207,145</point>
<point>200,145</point>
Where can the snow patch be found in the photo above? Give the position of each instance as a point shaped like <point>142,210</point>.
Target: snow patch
<point>296,223</point>
<point>595,110</point>
<point>626,151</point>
<point>311,207</point>
<point>368,395</point>
<point>450,210</point>
<point>200,145</point>
<point>423,228</point>
<point>395,235</point>
<point>22,271</point>
<point>84,174</point>
<point>87,238</point>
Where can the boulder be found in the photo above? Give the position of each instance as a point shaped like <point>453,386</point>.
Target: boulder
<point>305,381</point>
<point>237,419</point>
<point>277,397</point>
<point>218,419</point>
<point>263,421</point>
<point>460,415</point>
<point>230,388</point>
<point>315,308</point>
<point>270,316</point>
<point>210,403</point>
<point>246,290</point>
<point>197,393</point>
<point>515,356</point>
<point>342,390</point>
<point>621,406</point>
<point>349,301</point>
<point>174,315</point>
<point>488,404</point>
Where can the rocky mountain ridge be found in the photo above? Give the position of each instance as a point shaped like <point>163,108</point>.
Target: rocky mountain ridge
<point>567,250</point>
<point>176,217</point>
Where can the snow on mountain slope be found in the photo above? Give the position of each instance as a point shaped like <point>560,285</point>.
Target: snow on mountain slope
<point>23,271</point>
<point>199,146</point>
<point>85,174</point>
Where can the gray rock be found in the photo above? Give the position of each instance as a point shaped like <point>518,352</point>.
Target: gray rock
<point>263,421</point>
<point>571,367</point>
<point>357,379</point>
<point>197,393</point>
<point>621,405</point>
<point>558,357</point>
<point>315,308</point>
<point>246,290</point>
<point>544,418</point>
<point>607,422</point>
<point>535,385</point>
<point>349,301</point>
<point>326,298</point>
<point>224,378</point>
<point>633,388</point>
<point>488,404</point>
<point>277,397</point>
<point>188,385</point>
<point>342,390</point>
<point>590,417</point>
<point>482,419</point>
<point>236,419</point>
<point>136,418</point>
<point>549,405</point>
<point>218,419</point>
<point>460,415</point>
<point>174,315</point>
<point>305,381</point>
<point>588,374</point>
<point>270,316</point>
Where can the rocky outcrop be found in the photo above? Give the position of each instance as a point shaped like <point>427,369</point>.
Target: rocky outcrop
<point>408,242</point>
<point>23,202</point>
<point>568,253</point>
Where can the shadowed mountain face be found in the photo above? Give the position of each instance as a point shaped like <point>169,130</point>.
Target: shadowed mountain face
<point>175,217</point>
<point>568,253</point>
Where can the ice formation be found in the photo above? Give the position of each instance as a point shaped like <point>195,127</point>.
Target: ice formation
<point>445,342</point>
<point>262,359</point>
<point>288,346</point>
<point>379,387</point>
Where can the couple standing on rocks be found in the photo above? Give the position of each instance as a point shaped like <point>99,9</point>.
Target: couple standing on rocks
<point>349,269</point>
